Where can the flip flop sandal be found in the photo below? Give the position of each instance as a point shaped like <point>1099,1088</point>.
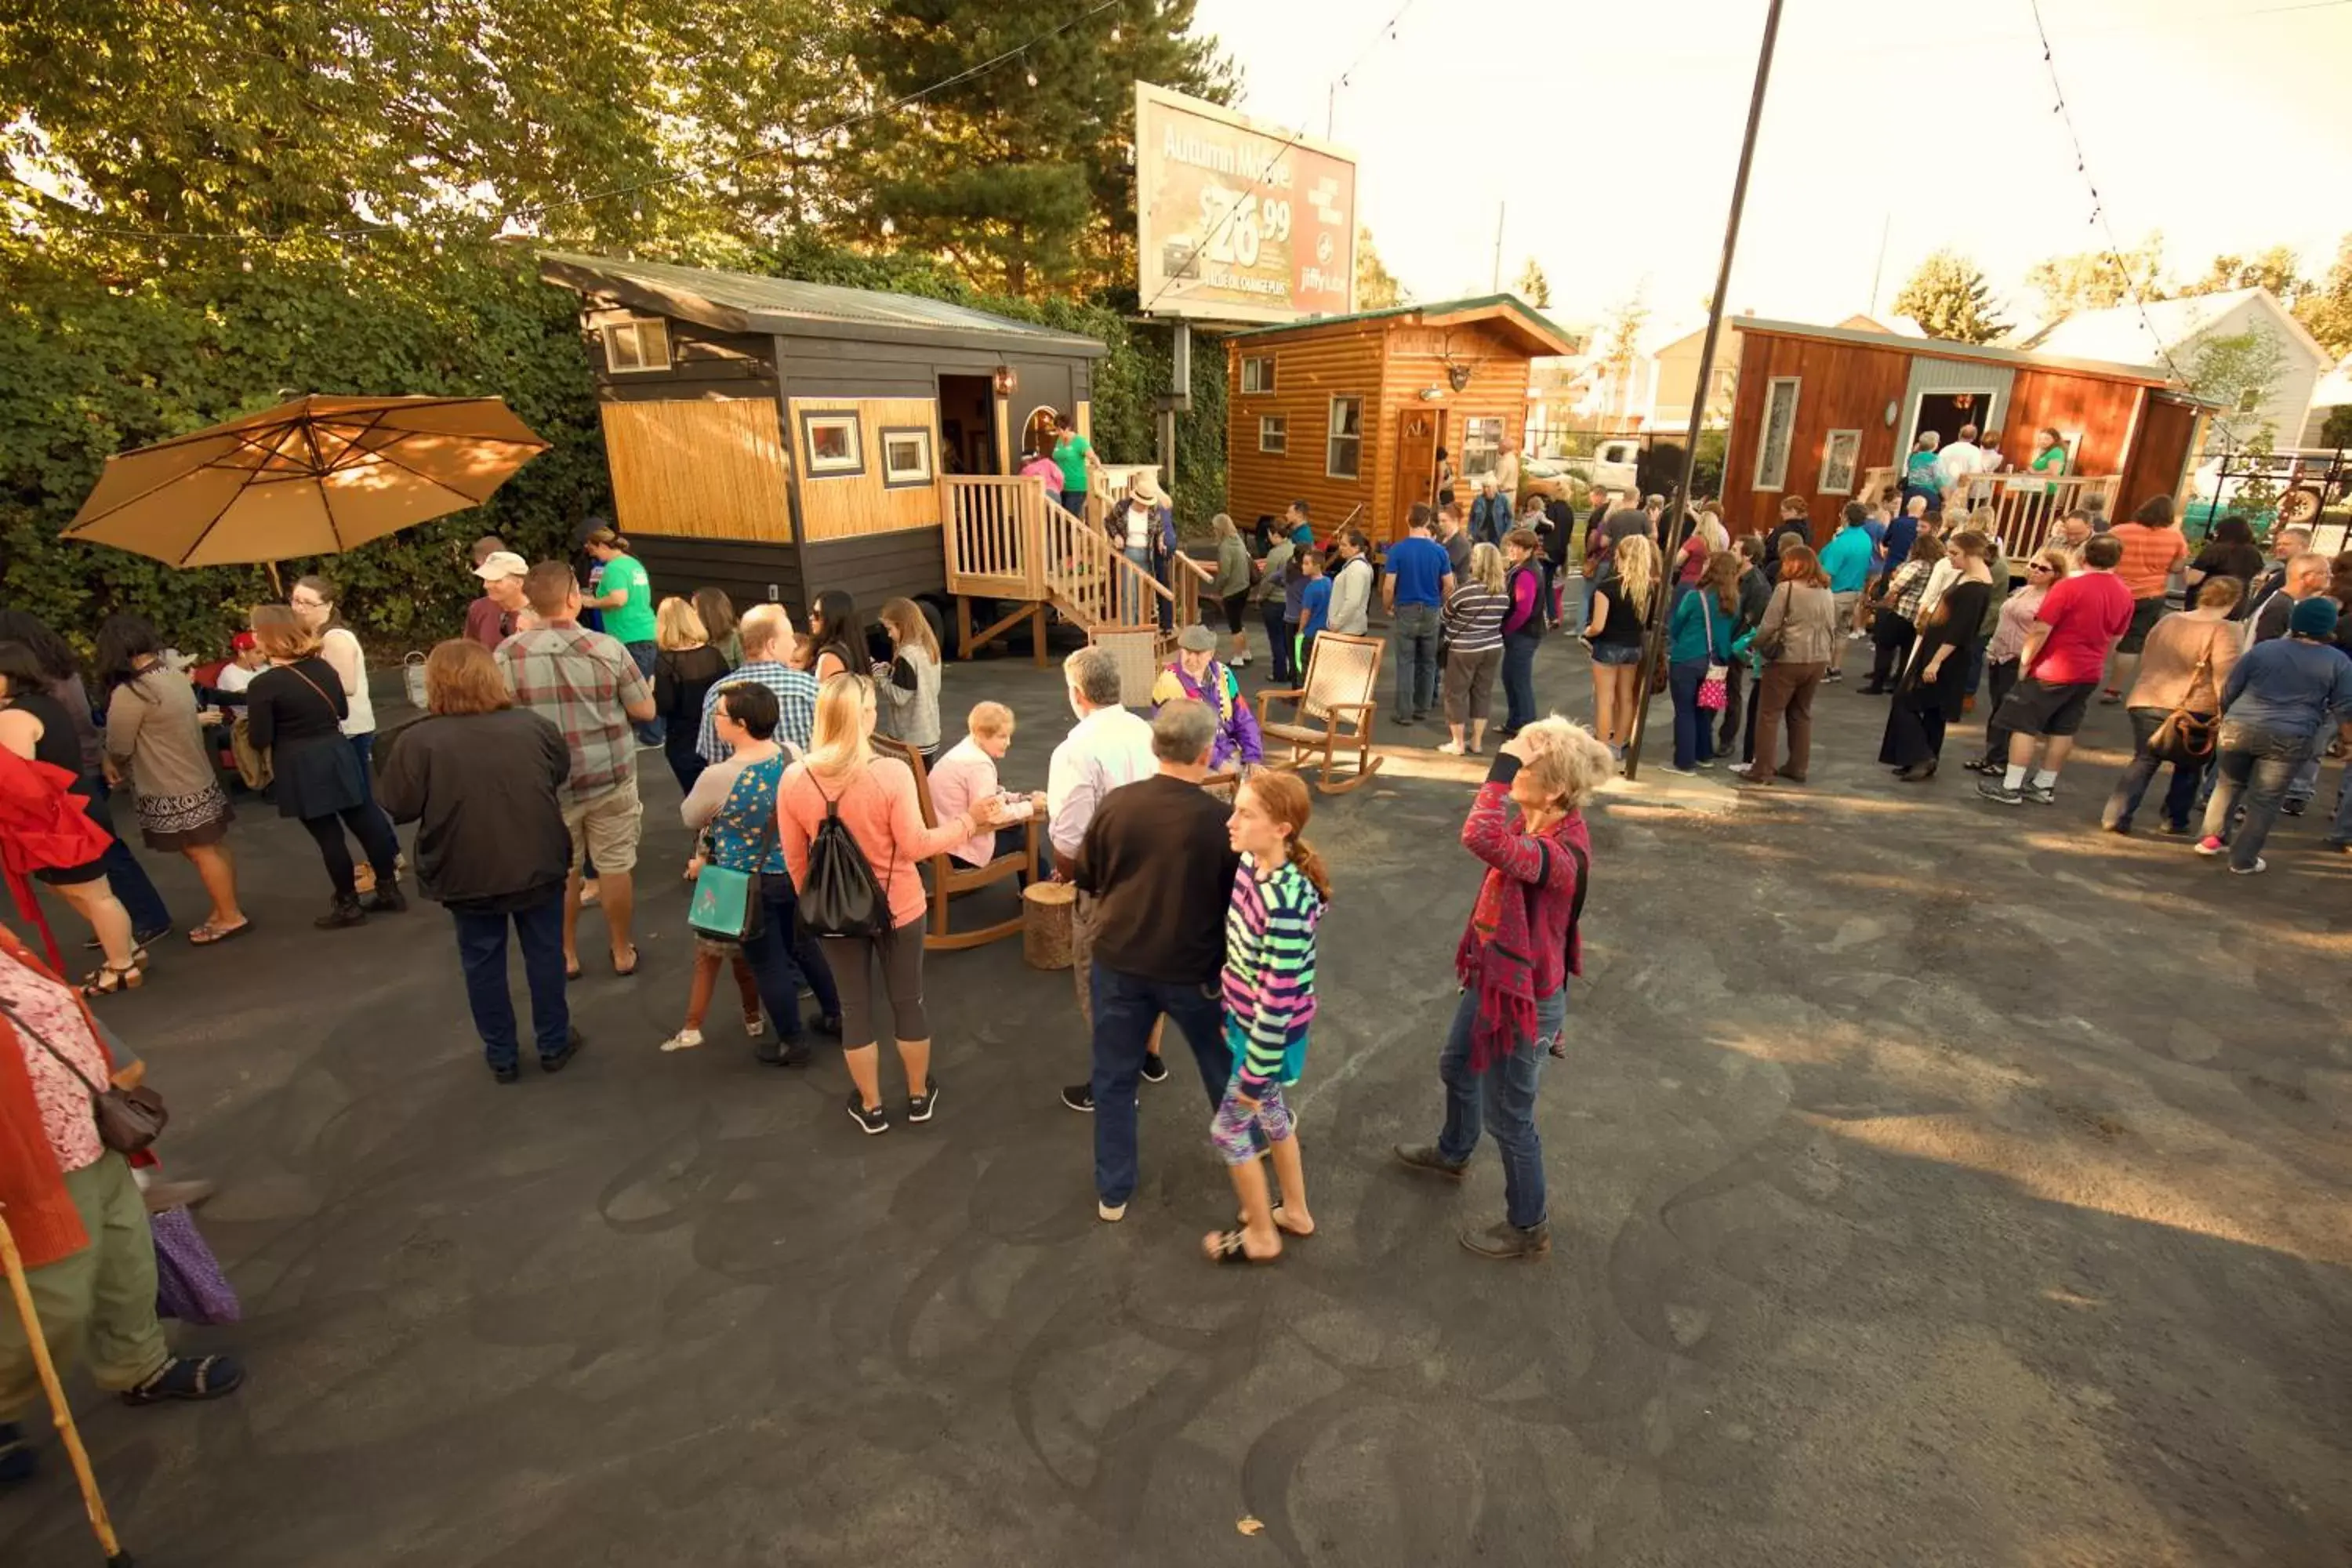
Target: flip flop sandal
<point>1276,1210</point>
<point>188,1377</point>
<point>207,935</point>
<point>1229,1249</point>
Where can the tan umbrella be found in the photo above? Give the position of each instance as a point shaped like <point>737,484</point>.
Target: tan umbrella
<point>313,477</point>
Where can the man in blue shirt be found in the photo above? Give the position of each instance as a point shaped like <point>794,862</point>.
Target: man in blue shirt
<point>1847,558</point>
<point>1420,576</point>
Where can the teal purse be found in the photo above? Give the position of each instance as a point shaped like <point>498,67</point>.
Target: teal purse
<point>726,904</point>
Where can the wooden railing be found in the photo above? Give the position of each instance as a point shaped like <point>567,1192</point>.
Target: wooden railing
<point>992,524</point>
<point>2029,505</point>
<point>1095,584</point>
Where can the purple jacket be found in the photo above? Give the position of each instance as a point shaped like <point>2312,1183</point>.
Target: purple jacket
<point>1237,735</point>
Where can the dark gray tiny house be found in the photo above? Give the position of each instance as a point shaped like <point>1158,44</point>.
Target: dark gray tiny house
<point>774,438</point>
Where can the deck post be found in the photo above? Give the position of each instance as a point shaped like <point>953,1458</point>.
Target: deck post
<point>963,626</point>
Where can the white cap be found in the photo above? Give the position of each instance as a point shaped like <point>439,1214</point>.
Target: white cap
<point>500,565</point>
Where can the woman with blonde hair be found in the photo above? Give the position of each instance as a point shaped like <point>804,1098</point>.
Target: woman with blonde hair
<point>874,798</point>
<point>908,688</point>
<point>686,666</point>
<point>1513,964</point>
<point>295,711</point>
<point>2012,626</point>
<point>1623,603</point>
<point>318,603</point>
<point>1280,895</point>
<point>1230,586</point>
<point>1473,621</point>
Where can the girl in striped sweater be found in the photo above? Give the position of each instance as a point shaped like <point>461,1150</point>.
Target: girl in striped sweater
<point>1278,897</point>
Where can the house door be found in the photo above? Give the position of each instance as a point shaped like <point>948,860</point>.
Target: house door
<point>2159,454</point>
<point>1420,432</point>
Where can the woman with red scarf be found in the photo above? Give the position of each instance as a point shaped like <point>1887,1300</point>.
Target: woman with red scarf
<point>1513,964</point>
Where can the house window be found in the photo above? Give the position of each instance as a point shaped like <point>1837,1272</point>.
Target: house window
<point>1482,448</point>
<point>1841,450</point>
<point>641,342</point>
<point>835,450</point>
<point>1779,427</point>
<point>2249,401</point>
<point>1257,375</point>
<point>1344,452</point>
<point>1274,433</point>
<point>905,457</point>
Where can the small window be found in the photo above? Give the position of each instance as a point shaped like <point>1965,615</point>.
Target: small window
<point>835,450</point>
<point>2249,401</point>
<point>641,342</point>
<point>1274,433</point>
<point>905,457</point>
<point>1344,453</point>
<point>1779,427</point>
<point>1257,375</point>
<point>1482,448</point>
<point>1841,450</point>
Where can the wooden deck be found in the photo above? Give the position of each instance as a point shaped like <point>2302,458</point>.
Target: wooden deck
<point>1008,539</point>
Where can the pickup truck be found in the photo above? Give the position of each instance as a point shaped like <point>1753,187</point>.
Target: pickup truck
<point>1612,466</point>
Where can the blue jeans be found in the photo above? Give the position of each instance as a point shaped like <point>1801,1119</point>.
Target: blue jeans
<point>132,886</point>
<point>1132,592</point>
<point>1413,631</point>
<point>2340,833</point>
<point>1694,726</point>
<point>1502,1101</point>
<point>482,950</point>
<point>2131,788</point>
<point>1279,634</point>
<point>1125,1008</point>
<point>781,954</point>
<point>1519,681</point>
<point>653,731</point>
<point>2259,763</point>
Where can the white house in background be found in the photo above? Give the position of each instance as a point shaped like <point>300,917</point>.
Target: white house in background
<point>2333,390</point>
<point>2180,327</point>
<point>1655,390</point>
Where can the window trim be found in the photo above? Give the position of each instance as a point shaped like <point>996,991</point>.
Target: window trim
<point>833,467</point>
<point>1280,431</point>
<point>1502,439</point>
<point>892,482</point>
<point>1764,431</point>
<point>1331,436</point>
<point>1265,382</point>
<point>2250,400</point>
<point>1853,469</point>
<point>635,327</point>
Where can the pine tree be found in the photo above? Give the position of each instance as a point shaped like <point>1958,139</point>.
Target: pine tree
<point>1948,297</point>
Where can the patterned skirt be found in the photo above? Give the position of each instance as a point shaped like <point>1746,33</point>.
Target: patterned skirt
<point>173,822</point>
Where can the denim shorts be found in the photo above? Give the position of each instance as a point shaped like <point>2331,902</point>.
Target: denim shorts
<point>1616,653</point>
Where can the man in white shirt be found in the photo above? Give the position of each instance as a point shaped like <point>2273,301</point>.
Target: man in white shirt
<point>1959,461</point>
<point>1351,589</point>
<point>1108,747</point>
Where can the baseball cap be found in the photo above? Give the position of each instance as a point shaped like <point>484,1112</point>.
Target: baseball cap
<point>502,563</point>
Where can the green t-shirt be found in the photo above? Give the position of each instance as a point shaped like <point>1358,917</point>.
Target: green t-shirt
<point>633,621</point>
<point>1072,455</point>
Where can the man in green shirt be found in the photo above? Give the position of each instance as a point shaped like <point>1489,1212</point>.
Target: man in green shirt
<point>1073,451</point>
<point>627,596</point>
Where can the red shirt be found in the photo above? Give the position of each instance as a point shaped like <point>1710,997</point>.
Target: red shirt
<point>2086,614</point>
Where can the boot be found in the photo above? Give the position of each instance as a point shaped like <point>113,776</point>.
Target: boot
<point>389,899</point>
<point>346,911</point>
<point>1507,1241</point>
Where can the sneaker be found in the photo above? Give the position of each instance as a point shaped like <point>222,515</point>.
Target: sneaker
<point>1507,1241</point>
<point>683,1040</point>
<point>2209,845</point>
<point>920,1106</point>
<point>511,1073</point>
<point>2042,795</point>
<point>1451,749</point>
<point>1109,1213</point>
<point>387,900</point>
<point>869,1122</point>
<point>188,1377</point>
<point>1682,772</point>
<point>2121,826</point>
<point>1425,1157</point>
<point>1994,789</point>
<point>1155,1070</point>
<point>563,1059</point>
<point>783,1054</point>
<point>2256,869</point>
<point>2294,807</point>
<point>1080,1097</point>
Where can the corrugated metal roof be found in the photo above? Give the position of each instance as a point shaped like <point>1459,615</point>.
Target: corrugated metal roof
<point>769,304</point>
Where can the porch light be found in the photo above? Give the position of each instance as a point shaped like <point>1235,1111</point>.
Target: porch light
<point>1006,381</point>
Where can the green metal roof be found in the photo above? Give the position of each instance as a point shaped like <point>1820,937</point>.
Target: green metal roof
<point>1425,308</point>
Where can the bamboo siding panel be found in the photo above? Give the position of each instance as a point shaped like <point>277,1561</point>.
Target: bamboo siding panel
<point>1310,369</point>
<point>851,506</point>
<point>699,468</point>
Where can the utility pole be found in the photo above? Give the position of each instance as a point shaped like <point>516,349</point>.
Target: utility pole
<point>1670,523</point>
<point>1499,208</point>
<point>1879,271</point>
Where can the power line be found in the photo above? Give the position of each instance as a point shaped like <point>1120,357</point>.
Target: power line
<point>541,209</point>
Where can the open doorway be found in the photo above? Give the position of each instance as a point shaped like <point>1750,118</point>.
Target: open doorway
<point>1946,412</point>
<point>968,424</point>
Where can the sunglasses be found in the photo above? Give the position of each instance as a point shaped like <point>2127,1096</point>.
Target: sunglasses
<point>2041,568</point>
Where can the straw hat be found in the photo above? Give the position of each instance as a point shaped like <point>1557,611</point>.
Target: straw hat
<point>1143,488</point>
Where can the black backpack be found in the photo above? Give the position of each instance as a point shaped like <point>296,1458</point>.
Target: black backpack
<point>840,896</point>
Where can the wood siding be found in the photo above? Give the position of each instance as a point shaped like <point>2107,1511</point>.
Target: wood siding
<point>752,572</point>
<point>1842,386</point>
<point>1418,359</point>
<point>2101,411</point>
<point>701,468</point>
<point>847,506</point>
<point>1311,367</point>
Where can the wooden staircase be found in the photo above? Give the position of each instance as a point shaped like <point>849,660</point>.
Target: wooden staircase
<point>1008,539</point>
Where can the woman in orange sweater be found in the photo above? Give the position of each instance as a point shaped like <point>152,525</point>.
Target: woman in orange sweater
<point>875,799</point>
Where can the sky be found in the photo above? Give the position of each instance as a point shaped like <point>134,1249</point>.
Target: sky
<point>1609,136</point>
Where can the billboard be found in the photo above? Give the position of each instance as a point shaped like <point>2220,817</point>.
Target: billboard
<point>1236,222</point>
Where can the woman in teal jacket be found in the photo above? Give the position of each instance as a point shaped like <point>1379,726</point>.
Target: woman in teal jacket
<point>1699,634</point>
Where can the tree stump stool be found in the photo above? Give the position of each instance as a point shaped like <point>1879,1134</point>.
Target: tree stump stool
<point>1045,911</point>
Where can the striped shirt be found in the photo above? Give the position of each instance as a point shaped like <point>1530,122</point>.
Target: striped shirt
<point>1473,619</point>
<point>1270,967</point>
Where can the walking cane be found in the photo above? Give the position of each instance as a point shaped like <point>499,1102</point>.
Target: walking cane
<point>91,1502</point>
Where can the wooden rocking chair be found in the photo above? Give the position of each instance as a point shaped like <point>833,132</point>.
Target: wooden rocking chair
<point>950,875</point>
<point>1335,708</point>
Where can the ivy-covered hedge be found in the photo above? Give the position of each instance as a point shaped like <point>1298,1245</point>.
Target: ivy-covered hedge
<point>97,367</point>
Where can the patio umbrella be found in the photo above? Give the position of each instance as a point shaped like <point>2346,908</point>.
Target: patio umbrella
<point>313,477</point>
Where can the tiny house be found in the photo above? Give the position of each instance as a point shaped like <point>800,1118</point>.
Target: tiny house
<point>774,437</point>
<point>1350,412</point>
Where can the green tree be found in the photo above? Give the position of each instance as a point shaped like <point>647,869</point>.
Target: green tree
<point>2096,279</point>
<point>1949,298</point>
<point>2239,373</point>
<point>2325,311</point>
<point>2274,269</point>
<point>1376,287</point>
<point>1533,286</point>
<point>2337,429</point>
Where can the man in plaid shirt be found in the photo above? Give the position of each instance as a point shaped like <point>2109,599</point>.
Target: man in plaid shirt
<point>586,685</point>
<point>763,629</point>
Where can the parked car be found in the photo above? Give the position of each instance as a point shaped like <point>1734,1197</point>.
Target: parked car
<point>1615,464</point>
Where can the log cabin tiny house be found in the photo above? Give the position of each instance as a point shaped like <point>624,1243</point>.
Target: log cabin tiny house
<point>774,437</point>
<point>1349,412</point>
<point>1822,412</point>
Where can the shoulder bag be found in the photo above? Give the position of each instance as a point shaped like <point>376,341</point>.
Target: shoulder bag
<point>127,1119</point>
<point>2186,737</point>
<point>726,905</point>
<point>1714,687</point>
<point>840,896</point>
<point>1770,648</point>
